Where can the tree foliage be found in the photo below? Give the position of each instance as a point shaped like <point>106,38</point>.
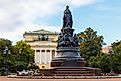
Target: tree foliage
<point>21,55</point>
<point>3,57</point>
<point>24,55</point>
<point>116,56</point>
<point>91,49</point>
<point>101,61</point>
<point>90,43</point>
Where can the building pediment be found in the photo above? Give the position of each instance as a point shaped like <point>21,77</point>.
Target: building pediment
<point>42,31</point>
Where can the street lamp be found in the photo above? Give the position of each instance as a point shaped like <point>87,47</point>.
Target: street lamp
<point>6,52</point>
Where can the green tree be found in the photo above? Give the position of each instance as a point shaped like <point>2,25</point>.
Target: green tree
<point>23,54</point>
<point>20,57</point>
<point>3,57</point>
<point>116,56</point>
<point>101,61</point>
<point>90,43</point>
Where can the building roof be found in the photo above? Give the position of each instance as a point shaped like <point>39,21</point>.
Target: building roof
<point>42,31</point>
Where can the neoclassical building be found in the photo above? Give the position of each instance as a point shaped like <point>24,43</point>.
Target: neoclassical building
<point>107,49</point>
<point>44,45</point>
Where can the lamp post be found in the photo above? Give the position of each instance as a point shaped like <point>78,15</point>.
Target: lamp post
<point>6,52</point>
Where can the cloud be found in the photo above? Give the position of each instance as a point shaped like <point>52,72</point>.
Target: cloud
<point>18,16</point>
<point>104,8</point>
<point>81,2</point>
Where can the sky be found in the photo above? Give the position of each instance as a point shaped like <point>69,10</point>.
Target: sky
<point>20,16</point>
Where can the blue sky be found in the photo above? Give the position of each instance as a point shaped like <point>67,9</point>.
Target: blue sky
<point>18,16</point>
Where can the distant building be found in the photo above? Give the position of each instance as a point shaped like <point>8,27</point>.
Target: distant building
<point>44,45</point>
<point>107,49</point>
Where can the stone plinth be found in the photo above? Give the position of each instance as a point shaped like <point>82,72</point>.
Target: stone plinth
<point>67,57</point>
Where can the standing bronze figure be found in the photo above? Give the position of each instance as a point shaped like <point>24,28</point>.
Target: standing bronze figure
<point>67,18</point>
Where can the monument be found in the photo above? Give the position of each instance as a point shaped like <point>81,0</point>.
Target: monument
<point>67,48</point>
<point>68,60</point>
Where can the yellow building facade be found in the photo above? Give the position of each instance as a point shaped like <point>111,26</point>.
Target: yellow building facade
<point>44,44</point>
<point>107,49</point>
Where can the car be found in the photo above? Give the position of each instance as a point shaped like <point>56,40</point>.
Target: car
<point>22,73</point>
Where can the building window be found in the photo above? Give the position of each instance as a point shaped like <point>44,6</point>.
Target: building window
<point>43,66</point>
<point>48,50</point>
<point>48,62</point>
<point>37,56</point>
<point>43,63</point>
<point>53,54</point>
<point>43,56</point>
<point>48,56</point>
<point>37,63</point>
<point>34,51</point>
<point>37,50</point>
<point>43,50</point>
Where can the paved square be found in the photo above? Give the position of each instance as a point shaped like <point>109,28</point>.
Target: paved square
<point>3,78</point>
